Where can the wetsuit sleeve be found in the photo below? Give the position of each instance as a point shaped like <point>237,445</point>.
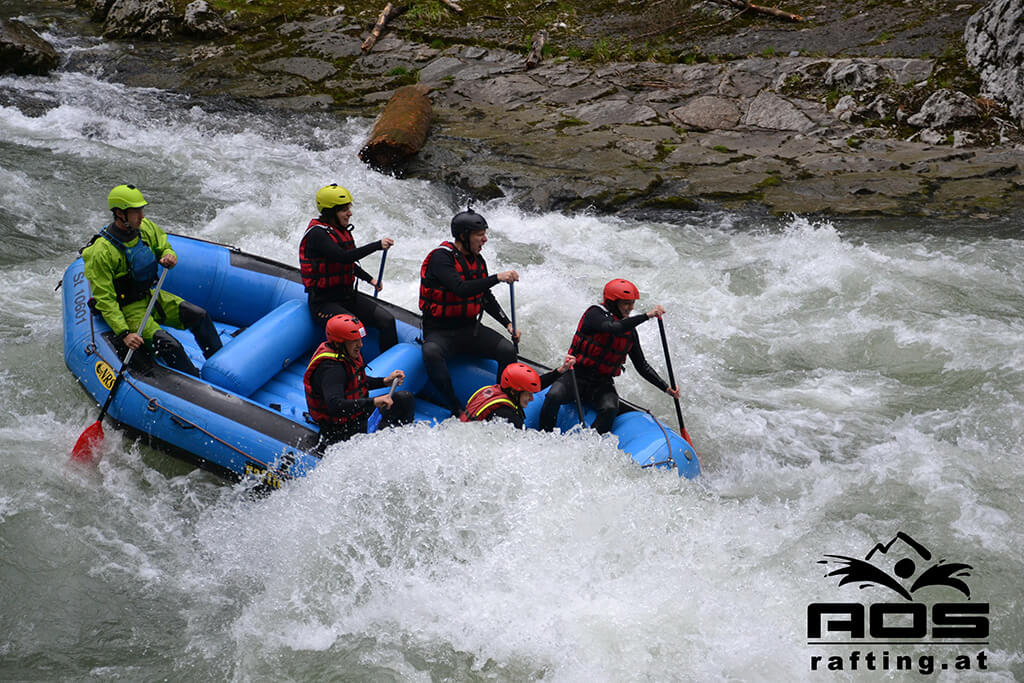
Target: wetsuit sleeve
<point>375,382</point>
<point>442,269</point>
<point>158,238</point>
<point>509,414</point>
<point>320,245</point>
<point>636,354</point>
<point>100,266</point>
<point>597,320</point>
<point>494,309</point>
<point>332,378</point>
<point>548,378</point>
<point>363,275</point>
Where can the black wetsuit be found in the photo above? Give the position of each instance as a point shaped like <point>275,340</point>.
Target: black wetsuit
<point>596,389</point>
<point>445,337</point>
<point>330,380</point>
<point>327,303</point>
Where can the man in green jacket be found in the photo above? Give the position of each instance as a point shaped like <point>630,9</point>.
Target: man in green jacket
<point>121,265</point>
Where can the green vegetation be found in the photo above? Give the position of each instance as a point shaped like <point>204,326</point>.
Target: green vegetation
<point>568,122</point>
<point>663,150</point>
<point>424,13</point>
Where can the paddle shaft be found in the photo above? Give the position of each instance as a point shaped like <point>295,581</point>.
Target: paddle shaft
<point>512,306</point>
<point>671,375</point>
<point>131,352</point>
<point>380,273</point>
<point>576,393</point>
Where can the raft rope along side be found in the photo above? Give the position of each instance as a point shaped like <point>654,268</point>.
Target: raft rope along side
<point>668,444</point>
<point>152,403</point>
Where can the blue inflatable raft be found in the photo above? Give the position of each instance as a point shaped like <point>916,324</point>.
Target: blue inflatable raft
<point>245,416</point>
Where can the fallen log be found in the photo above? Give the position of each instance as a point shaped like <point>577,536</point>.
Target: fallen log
<point>401,129</point>
<point>387,14</point>
<point>773,11</point>
<point>537,49</point>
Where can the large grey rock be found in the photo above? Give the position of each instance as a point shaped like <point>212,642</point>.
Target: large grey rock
<point>945,108</point>
<point>23,51</point>
<point>707,113</point>
<point>202,21</point>
<point>149,19</point>
<point>747,77</point>
<point>854,75</point>
<point>696,79</point>
<point>907,71</point>
<point>442,67</point>
<point>613,112</point>
<point>563,75</point>
<point>770,111</point>
<point>994,38</point>
<point>505,90</point>
<point>577,95</point>
<point>307,67</point>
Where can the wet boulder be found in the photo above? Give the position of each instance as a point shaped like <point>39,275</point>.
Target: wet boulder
<point>147,19</point>
<point>202,21</point>
<point>994,38</point>
<point>23,51</point>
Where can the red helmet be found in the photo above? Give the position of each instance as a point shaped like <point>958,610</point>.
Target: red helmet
<point>621,290</point>
<point>520,377</point>
<point>345,327</point>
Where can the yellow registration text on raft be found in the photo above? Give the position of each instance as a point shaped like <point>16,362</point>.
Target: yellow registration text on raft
<point>105,374</point>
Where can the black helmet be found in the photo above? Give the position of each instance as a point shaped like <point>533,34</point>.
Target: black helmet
<point>467,221</point>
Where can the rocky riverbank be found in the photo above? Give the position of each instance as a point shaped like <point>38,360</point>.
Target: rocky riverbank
<point>835,115</point>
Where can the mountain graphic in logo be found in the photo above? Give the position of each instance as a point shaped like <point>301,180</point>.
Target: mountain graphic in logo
<point>896,564</point>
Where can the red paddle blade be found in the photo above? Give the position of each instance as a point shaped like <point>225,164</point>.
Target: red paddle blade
<point>685,436</point>
<point>87,447</point>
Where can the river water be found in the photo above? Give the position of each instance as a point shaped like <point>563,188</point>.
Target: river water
<point>843,381</point>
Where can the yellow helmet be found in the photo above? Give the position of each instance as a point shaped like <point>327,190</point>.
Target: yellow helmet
<point>126,197</point>
<point>332,195</point>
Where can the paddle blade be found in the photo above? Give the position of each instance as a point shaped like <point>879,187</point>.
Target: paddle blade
<point>87,447</point>
<point>687,437</point>
<point>373,421</point>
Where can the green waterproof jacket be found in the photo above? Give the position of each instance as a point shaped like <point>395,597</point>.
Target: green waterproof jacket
<point>105,263</point>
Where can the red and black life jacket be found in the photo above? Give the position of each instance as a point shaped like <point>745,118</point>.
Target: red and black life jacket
<point>355,388</point>
<point>603,353</point>
<point>485,401</point>
<point>442,303</point>
<point>322,273</point>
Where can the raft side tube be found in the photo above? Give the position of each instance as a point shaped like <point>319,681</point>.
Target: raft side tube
<point>403,356</point>
<point>207,276</point>
<point>263,350</point>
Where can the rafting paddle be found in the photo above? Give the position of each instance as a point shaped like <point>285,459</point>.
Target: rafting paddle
<point>512,307</point>
<point>576,395</point>
<point>672,380</point>
<point>380,273</point>
<point>376,416</point>
<point>88,443</point>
